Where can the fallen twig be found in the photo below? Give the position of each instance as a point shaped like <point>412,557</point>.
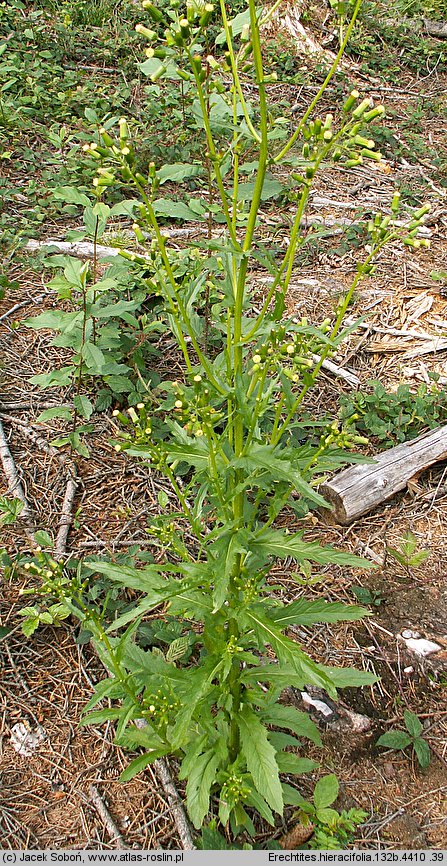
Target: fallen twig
<point>15,486</point>
<point>66,517</point>
<point>181,821</point>
<point>109,823</point>
<point>178,812</point>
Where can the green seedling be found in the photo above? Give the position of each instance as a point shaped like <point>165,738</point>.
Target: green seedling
<point>412,737</point>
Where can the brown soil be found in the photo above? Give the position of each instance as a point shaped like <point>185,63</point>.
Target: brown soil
<point>47,678</point>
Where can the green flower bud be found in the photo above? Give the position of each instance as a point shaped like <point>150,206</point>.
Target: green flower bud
<point>205,18</point>
<point>379,111</point>
<point>144,31</point>
<point>351,100</point>
<point>157,74</point>
<point>418,214</point>
<point>106,138</point>
<point>395,202</point>
<point>371,154</point>
<point>155,14</point>
<point>184,28</point>
<point>360,110</point>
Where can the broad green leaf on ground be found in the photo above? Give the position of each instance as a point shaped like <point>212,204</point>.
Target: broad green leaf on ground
<point>178,171</point>
<point>326,791</point>
<point>412,723</point>
<point>395,740</point>
<point>423,753</point>
<point>260,758</point>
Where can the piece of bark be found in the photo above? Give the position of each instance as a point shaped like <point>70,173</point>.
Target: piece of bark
<point>436,28</point>
<point>359,489</point>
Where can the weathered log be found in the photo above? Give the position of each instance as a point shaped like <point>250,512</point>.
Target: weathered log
<point>359,489</point>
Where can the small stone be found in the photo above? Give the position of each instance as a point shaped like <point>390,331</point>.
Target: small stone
<point>422,647</point>
<point>319,706</point>
<point>409,670</point>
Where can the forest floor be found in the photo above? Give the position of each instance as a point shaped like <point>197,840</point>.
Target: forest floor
<point>47,678</point>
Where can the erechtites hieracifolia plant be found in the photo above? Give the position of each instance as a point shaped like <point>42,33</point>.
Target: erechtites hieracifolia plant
<point>229,434</point>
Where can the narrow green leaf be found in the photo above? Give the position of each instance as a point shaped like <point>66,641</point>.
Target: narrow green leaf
<point>303,612</point>
<point>260,757</point>
<point>279,544</point>
<point>140,763</point>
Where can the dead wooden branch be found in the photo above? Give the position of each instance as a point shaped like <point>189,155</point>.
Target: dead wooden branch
<point>340,372</point>
<point>178,812</point>
<point>83,249</point>
<point>109,823</point>
<point>15,486</point>
<point>181,821</point>
<point>359,489</point>
<point>66,516</point>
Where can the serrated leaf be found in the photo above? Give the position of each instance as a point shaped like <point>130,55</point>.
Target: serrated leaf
<point>412,723</point>
<point>83,406</point>
<point>292,797</point>
<point>30,625</point>
<point>423,753</point>
<point>395,740</point>
<point>271,460</point>
<point>63,412</point>
<point>198,788</point>
<point>294,720</point>
<point>326,791</point>
<point>290,763</point>
<point>177,649</point>
<point>43,538</point>
<point>10,509</point>
<point>303,612</point>
<point>260,758</point>
<point>276,543</point>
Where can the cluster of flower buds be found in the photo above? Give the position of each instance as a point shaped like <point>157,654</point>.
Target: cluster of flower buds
<point>51,573</point>
<point>291,351</point>
<point>160,709</point>
<point>381,225</point>
<point>348,143</point>
<point>341,436</point>
<point>234,789</point>
<point>193,407</point>
<point>179,32</point>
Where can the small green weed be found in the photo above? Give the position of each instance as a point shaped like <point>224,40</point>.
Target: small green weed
<point>400,740</point>
<point>408,554</point>
<point>372,597</point>
<point>394,416</point>
<point>332,829</point>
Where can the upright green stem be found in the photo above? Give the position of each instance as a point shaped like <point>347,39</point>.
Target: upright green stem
<point>323,87</point>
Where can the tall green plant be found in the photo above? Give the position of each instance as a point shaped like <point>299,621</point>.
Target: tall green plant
<point>230,438</point>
